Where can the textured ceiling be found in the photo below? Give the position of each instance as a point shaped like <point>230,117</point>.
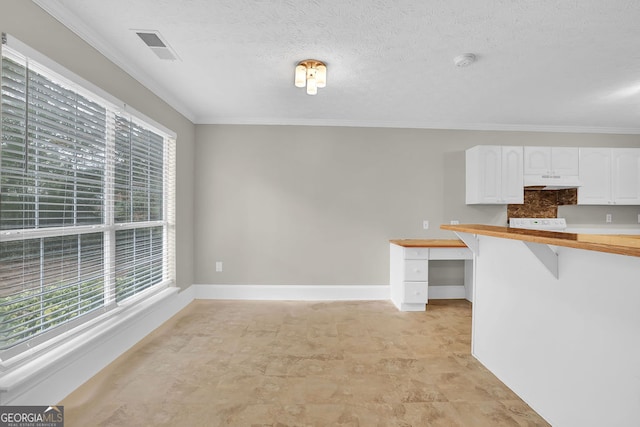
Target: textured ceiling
<point>542,65</point>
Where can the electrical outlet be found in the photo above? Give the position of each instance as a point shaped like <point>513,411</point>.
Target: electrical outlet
<point>456,222</point>
<point>638,218</point>
<point>608,219</point>
<point>218,266</point>
<point>425,224</point>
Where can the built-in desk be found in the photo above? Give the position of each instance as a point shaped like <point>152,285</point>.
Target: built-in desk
<point>409,270</point>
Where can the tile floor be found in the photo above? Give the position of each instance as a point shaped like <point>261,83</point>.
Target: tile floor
<point>240,363</point>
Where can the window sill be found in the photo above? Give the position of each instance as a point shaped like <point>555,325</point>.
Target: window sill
<point>36,366</point>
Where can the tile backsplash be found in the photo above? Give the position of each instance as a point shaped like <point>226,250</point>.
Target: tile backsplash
<point>540,203</point>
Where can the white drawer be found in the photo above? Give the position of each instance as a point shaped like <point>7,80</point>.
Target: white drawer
<point>416,270</point>
<point>417,292</point>
<point>416,253</point>
<point>450,253</point>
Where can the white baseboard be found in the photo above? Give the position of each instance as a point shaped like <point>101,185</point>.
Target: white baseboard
<point>51,377</point>
<point>293,292</point>
<point>447,292</point>
<point>315,292</point>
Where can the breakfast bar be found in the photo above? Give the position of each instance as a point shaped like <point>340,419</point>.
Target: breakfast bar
<point>556,318</point>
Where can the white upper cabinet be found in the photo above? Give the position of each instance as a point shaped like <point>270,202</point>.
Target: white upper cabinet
<point>609,176</point>
<point>537,160</point>
<point>551,165</point>
<point>595,176</point>
<point>625,179</point>
<point>565,161</point>
<point>494,175</point>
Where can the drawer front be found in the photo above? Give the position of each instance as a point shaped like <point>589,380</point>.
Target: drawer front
<point>416,270</point>
<point>417,292</point>
<point>416,253</point>
<point>450,253</point>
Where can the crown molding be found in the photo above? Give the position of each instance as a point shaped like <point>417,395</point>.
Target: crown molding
<point>412,125</point>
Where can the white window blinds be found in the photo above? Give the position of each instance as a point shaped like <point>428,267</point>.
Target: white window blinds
<point>54,158</point>
<point>86,193</point>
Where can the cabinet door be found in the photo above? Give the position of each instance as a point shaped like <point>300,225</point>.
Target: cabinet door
<point>595,176</point>
<point>565,161</point>
<point>537,160</point>
<point>494,175</point>
<point>512,175</point>
<point>483,174</point>
<point>626,176</point>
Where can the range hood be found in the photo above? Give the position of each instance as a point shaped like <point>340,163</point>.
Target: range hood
<point>551,182</point>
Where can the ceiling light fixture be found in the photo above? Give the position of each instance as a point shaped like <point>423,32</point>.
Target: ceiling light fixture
<point>312,74</point>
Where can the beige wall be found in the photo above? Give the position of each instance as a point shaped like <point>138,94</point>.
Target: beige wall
<point>317,205</point>
<point>31,25</point>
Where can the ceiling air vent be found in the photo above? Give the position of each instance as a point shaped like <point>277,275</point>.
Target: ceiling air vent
<point>156,43</point>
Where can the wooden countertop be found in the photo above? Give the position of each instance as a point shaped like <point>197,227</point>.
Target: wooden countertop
<point>622,244</point>
<point>429,243</point>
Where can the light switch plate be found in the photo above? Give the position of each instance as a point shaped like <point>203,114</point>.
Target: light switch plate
<point>425,224</point>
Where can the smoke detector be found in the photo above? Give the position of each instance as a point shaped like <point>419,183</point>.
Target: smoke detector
<point>464,60</point>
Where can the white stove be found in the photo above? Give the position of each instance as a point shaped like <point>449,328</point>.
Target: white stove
<point>550,224</point>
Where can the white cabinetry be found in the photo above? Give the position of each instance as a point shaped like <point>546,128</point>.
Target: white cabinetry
<point>609,176</point>
<point>551,165</point>
<point>409,272</point>
<point>625,180</point>
<point>409,277</point>
<point>494,175</point>
<point>595,176</point>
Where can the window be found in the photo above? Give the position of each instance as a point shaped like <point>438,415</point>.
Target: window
<point>86,204</point>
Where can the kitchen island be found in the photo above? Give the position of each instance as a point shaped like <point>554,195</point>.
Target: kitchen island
<point>556,318</point>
